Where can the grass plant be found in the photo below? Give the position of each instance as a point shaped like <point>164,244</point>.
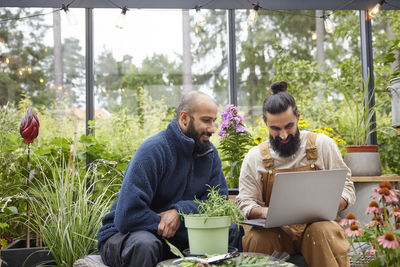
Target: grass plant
<point>67,209</point>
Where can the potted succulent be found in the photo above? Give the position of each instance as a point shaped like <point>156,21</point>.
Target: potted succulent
<point>362,158</point>
<point>208,231</point>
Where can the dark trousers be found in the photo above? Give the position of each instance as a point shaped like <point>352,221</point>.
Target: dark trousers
<point>144,249</point>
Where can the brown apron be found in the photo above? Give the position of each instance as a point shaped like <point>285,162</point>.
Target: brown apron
<point>294,231</point>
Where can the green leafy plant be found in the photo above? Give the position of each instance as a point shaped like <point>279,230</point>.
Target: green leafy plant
<point>217,205</point>
<point>67,208</point>
<point>234,143</point>
<point>360,114</point>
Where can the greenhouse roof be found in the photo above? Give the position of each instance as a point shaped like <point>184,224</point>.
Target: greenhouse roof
<point>207,4</point>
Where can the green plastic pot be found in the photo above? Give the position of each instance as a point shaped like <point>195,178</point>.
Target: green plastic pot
<point>208,235</point>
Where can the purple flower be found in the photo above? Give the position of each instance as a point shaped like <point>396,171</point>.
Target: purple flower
<point>231,121</point>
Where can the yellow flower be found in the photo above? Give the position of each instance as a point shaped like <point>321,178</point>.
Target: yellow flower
<point>258,139</point>
<point>263,129</point>
<point>303,123</point>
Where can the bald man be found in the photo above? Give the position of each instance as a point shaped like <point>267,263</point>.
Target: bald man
<point>165,175</point>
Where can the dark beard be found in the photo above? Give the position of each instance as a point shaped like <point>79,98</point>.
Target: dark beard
<point>199,147</point>
<point>288,149</point>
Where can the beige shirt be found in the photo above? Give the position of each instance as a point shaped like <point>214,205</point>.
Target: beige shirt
<point>250,183</point>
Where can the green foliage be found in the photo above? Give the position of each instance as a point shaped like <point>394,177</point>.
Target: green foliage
<point>233,149</point>
<point>217,205</point>
<point>27,58</point>
<point>389,143</point>
<point>234,144</point>
<point>67,208</point>
<point>361,114</point>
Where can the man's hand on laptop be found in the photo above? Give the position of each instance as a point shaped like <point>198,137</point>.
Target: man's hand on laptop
<point>343,204</point>
<point>258,213</point>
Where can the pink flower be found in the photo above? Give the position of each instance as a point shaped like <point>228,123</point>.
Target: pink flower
<point>385,190</point>
<point>388,240</point>
<point>353,230</point>
<point>373,208</point>
<point>349,220</point>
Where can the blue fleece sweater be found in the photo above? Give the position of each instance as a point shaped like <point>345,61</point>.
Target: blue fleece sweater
<point>163,174</point>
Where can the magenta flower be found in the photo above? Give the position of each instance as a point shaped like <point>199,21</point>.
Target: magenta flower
<point>353,230</point>
<point>385,190</point>
<point>388,240</point>
<point>29,127</point>
<point>373,208</point>
<point>389,195</point>
<point>350,219</point>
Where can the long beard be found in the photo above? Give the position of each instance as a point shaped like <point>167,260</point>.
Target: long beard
<point>199,146</point>
<point>286,149</point>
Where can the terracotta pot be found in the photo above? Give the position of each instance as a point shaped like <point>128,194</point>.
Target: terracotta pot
<point>363,160</point>
<point>361,148</point>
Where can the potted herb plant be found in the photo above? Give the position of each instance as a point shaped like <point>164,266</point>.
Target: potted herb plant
<point>208,231</point>
<point>362,158</point>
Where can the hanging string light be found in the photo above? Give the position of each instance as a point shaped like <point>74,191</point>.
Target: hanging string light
<point>121,21</point>
<point>329,26</point>
<point>72,20</point>
<point>199,17</point>
<point>253,15</point>
<point>199,20</point>
<point>375,10</point>
<point>314,36</point>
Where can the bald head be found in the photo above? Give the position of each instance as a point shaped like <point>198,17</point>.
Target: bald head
<point>192,101</point>
<point>197,113</point>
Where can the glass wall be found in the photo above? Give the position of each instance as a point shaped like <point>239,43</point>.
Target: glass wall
<point>146,60</point>
<point>43,66</point>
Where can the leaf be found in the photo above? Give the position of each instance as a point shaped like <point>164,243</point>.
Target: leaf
<point>87,140</point>
<point>11,209</point>
<point>4,225</point>
<point>43,151</point>
<point>174,249</point>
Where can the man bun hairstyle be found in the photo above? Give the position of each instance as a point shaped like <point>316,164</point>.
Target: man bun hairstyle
<point>279,101</point>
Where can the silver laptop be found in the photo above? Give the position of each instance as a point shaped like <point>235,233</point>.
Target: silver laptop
<point>303,197</point>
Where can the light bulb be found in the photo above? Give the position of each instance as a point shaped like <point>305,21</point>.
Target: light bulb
<point>329,26</point>
<point>30,70</point>
<point>41,80</point>
<point>253,16</point>
<point>121,21</point>
<point>199,18</point>
<point>196,29</point>
<point>314,36</point>
<point>7,60</point>
<point>375,10</point>
<point>72,20</point>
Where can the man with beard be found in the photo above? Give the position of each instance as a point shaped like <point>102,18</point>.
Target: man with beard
<point>288,149</point>
<point>168,171</point>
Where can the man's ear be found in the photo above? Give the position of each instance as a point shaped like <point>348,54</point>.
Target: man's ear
<point>298,115</point>
<point>265,119</point>
<point>183,118</point>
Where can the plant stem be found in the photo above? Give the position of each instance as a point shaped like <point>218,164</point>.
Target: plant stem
<point>28,238</point>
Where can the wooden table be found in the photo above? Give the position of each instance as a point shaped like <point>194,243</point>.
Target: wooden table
<point>381,178</point>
